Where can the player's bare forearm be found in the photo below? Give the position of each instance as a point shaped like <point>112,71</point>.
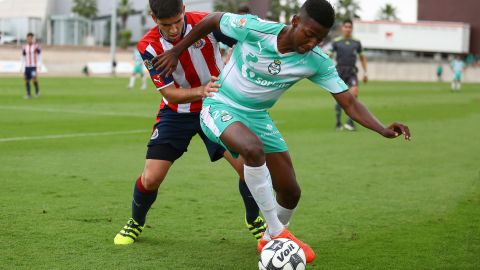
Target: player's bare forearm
<point>358,112</point>
<point>186,95</point>
<point>181,95</point>
<point>166,63</point>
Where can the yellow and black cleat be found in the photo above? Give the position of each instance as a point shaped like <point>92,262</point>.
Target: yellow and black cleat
<point>257,227</point>
<point>129,233</point>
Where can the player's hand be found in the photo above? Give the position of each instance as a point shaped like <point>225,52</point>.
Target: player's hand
<point>166,63</point>
<point>395,130</point>
<point>365,78</point>
<point>211,88</point>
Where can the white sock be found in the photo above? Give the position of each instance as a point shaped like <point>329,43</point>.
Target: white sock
<point>132,82</point>
<point>144,82</point>
<point>284,214</point>
<point>259,183</point>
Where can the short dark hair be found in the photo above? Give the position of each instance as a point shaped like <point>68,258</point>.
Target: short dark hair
<point>347,21</point>
<point>162,9</point>
<point>244,9</point>
<point>30,34</point>
<point>321,11</point>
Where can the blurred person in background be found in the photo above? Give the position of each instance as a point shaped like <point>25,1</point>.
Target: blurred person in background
<point>137,70</point>
<point>31,62</point>
<point>439,72</point>
<point>346,49</point>
<point>458,66</point>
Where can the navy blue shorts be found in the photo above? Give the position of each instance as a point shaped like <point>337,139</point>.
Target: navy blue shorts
<point>177,130</point>
<point>30,72</point>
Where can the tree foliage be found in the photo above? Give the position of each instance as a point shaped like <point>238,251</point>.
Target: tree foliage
<point>347,9</point>
<point>85,8</point>
<point>388,13</point>
<point>229,5</point>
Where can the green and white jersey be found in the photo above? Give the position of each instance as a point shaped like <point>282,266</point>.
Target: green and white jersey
<point>258,74</point>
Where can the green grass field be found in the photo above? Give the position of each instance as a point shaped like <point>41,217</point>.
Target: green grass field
<point>68,161</point>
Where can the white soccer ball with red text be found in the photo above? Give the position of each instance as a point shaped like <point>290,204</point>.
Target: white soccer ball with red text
<point>282,254</point>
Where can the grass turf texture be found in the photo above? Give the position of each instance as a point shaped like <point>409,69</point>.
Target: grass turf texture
<point>367,202</point>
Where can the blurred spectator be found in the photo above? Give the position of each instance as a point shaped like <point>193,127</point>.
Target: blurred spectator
<point>31,62</point>
<point>137,70</point>
<point>439,72</point>
<point>458,66</point>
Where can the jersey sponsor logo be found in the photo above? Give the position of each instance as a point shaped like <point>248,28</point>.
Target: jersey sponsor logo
<point>154,135</point>
<point>239,23</point>
<point>148,64</point>
<point>275,67</point>
<point>199,44</point>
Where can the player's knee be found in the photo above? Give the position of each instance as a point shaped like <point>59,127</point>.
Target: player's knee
<point>253,153</point>
<point>292,196</point>
<point>151,181</point>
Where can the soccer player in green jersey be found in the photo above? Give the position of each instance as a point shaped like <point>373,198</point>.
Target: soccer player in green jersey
<point>267,60</point>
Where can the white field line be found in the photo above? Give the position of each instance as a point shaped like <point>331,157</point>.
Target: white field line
<point>87,111</point>
<point>73,135</point>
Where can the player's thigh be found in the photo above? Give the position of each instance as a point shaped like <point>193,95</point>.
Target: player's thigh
<point>282,173</point>
<point>225,125</point>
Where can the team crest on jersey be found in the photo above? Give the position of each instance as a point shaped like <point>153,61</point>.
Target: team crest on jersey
<point>148,64</point>
<point>199,44</point>
<point>225,116</point>
<point>275,67</point>
<point>239,23</point>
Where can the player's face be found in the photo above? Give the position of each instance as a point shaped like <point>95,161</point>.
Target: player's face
<point>29,39</point>
<point>307,34</point>
<point>347,29</point>
<point>172,27</point>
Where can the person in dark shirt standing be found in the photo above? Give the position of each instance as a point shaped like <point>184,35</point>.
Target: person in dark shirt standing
<point>346,49</point>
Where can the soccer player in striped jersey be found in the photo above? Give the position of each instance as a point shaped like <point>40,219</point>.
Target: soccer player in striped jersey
<point>31,61</point>
<point>267,60</point>
<point>178,118</point>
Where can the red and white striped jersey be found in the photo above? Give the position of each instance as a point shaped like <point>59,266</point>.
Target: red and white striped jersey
<point>196,64</point>
<point>31,54</point>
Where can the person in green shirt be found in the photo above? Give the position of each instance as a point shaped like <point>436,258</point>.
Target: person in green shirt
<point>267,60</point>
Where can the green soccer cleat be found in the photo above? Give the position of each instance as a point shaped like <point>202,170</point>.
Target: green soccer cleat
<point>129,233</point>
<point>257,227</point>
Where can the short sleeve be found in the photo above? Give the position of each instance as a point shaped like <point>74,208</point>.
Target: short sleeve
<point>327,78</point>
<point>360,48</point>
<point>235,26</point>
<point>24,53</point>
<point>159,81</point>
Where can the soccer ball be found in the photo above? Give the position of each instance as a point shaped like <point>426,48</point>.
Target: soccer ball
<point>282,254</point>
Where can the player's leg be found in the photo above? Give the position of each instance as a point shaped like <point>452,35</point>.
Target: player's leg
<point>353,88</point>
<point>285,185</point>
<point>168,142</point>
<point>27,78</point>
<point>255,223</point>
<point>35,82</point>
<point>159,160</point>
<point>131,82</point>
<point>338,117</point>
<point>240,139</point>
<point>226,125</point>
<point>144,80</point>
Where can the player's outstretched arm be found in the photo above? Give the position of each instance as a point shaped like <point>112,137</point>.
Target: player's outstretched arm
<point>166,63</point>
<point>358,112</point>
<point>176,95</point>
